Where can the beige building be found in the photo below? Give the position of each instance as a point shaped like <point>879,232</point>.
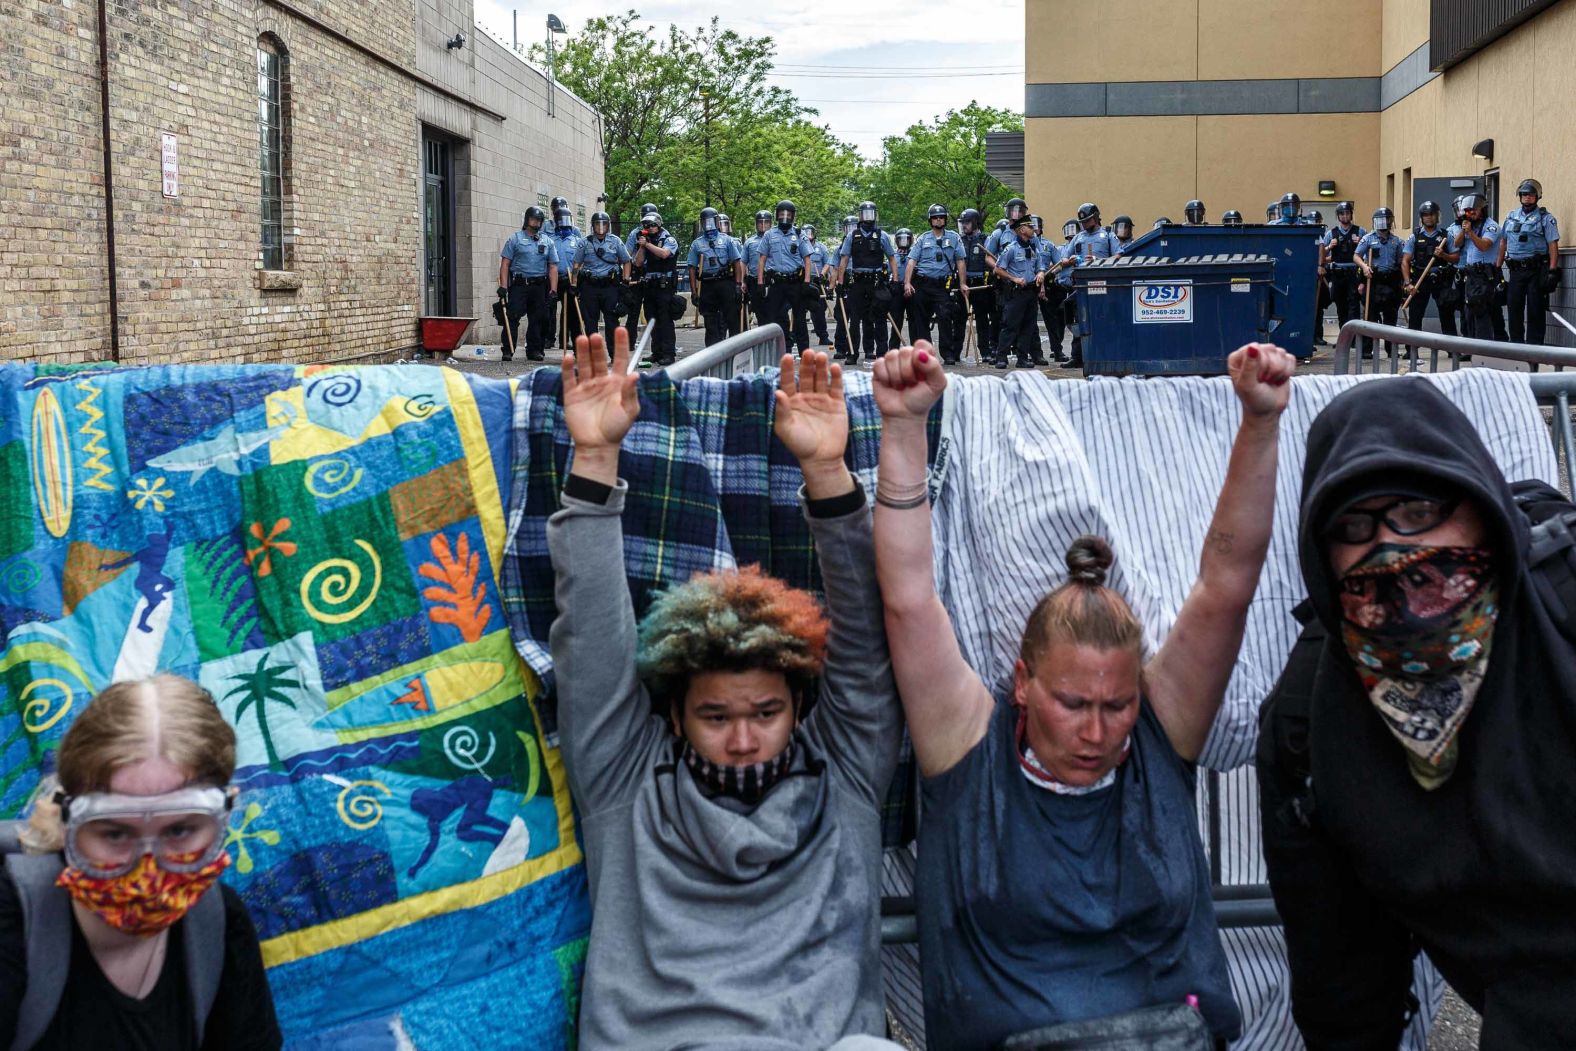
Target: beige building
<point>263,180</point>
<point>1140,105</point>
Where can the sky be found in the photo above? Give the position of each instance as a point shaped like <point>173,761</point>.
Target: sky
<point>870,74</point>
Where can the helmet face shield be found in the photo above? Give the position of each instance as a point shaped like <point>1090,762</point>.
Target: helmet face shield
<point>904,239</point>
<point>708,223</point>
<point>867,212</point>
<point>1123,228</point>
<point>108,834</point>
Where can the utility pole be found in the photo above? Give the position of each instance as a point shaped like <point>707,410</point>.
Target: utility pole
<point>705,102</point>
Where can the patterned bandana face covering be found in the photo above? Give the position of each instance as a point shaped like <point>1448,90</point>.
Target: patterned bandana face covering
<point>145,900</point>
<point>1040,776</point>
<point>1418,623</point>
<point>747,784</point>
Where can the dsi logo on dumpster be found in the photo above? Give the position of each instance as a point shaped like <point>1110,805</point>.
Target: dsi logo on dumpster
<point>1167,302</point>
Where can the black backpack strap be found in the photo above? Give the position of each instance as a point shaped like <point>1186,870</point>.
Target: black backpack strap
<point>1551,550</point>
<point>46,930</point>
<point>203,937</point>
<point>1284,719</point>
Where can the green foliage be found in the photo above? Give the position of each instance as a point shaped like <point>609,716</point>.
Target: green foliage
<point>942,161</point>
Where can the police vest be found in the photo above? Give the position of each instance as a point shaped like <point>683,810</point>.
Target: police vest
<point>1343,246</point>
<point>1527,237</point>
<point>661,266</point>
<point>865,252</point>
<point>1423,251</point>
<point>974,253</point>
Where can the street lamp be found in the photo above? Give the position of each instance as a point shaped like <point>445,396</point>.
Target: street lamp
<point>555,26</point>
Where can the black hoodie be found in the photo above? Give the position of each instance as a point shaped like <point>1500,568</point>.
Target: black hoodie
<point>1479,872</point>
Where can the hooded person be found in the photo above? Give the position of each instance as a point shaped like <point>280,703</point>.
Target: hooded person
<point>1415,758</point>
<point>733,847</point>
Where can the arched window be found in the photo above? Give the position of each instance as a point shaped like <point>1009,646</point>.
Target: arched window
<point>272,144</point>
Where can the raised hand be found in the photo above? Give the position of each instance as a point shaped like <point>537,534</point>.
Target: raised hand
<point>812,421</point>
<point>908,381</point>
<point>1259,373</point>
<point>600,404</point>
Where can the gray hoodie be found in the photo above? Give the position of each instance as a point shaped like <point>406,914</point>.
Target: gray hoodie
<point>714,925</point>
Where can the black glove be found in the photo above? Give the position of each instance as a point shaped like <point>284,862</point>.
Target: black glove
<point>552,294</point>
<point>503,293</point>
<point>1550,280</point>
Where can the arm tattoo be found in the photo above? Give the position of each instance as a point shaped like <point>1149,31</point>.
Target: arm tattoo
<point>1219,541</point>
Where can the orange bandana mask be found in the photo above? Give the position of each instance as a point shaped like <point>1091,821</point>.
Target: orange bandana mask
<point>145,900</point>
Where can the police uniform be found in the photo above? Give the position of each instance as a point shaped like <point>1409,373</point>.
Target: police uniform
<point>633,300</point>
<point>935,258</point>
<point>1382,250</point>
<point>658,285</point>
<point>1086,245</point>
<point>780,256</point>
<point>981,301</point>
<point>1481,278</point>
<point>1052,298</point>
<point>1340,248</point>
<point>532,259</point>
<point>866,252</point>
<point>897,305</point>
<point>568,239</point>
<point>599,262</point>
<point>814,303</point>
<point>1527,236</point>
<point>753,293</point>
<point>1440,284</point>
<point>1018,260</point>
<point>995,241</point>
<point>713,256</point>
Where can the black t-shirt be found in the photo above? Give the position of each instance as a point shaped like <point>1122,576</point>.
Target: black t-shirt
<point>95,1014</point>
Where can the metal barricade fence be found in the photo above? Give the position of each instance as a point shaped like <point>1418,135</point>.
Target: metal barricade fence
<point>751,351</point>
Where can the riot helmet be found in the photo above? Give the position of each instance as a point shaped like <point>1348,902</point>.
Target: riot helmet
<point>1070,229</point>
<point>938,211</point>
<point>969,220</point>
<point>1232,218</point>
<point>1164,220</point>
<point>1122,227</point>
<point>708,220</point>
<point>1455,205</point>
<point>1002,224</point>
<point>559,204</point>
<point>763,219</point>
<point>1427,209</point>
<point>1290,206</point>
<point>651,222</point>
<point>724,223</point>
<point>1088,213</point>
<point>809,231</point>
<point>1384,218</point>
<point>1016,208</point>
<point>785,215</point>
<point>1473,202</point>
<point>536,213</point>
<point>849,222</point>
<point>1530,188</point>
<point>904,238</point>
<point>867,213</point>
<point>1038,224</point>
<point>647,209</point>
<point>1272,212</point>
<point>601,223</point>
<point>1316,217</point>
<point>1194,210</point>
<point>562,216</point>
<point>1344,211</point>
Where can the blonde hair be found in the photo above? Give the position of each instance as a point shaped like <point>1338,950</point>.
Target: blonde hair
<point>165,716</point>
<point>1083,611</point>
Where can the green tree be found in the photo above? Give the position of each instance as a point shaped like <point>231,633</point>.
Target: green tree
<point>264,685</point>
<point>941,161</point>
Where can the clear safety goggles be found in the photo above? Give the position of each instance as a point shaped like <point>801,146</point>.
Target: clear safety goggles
<point>108,834</point>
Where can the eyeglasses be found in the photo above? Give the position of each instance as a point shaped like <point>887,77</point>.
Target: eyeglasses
<point>1404,517</point>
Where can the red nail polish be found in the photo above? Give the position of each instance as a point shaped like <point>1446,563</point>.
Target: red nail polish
<point>923,357</point>
<point>1253,350</point>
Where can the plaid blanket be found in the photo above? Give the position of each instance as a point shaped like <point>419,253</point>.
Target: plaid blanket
<point>710,487</point>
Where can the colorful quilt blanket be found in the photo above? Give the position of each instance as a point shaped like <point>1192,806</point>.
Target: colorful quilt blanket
<point>318,546</point>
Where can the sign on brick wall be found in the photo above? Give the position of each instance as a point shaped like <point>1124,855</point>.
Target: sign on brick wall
<point>172,167</point>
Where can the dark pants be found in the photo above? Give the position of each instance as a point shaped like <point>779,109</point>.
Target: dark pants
<point>982,308</point>
<point>658,300</point>
<point>866,317</point>
<point>782,301</point>
<point>1053,313</point>
<point>568,300</point>
<point>1434,291</point>
<point>933,301</point>
<point>1343,290</point>
<point>1384,304</point>
<point>813,312</point>
<point>600,305</point>
<point>1484,319</point>
<point>1070,321</point>
<point>840,325</point>
<point>1018,334</point>
<point>719,308</point>
<point>755,299</point>
<point>1528,303</point>
<point>528,307</point>
<point>897,311</point>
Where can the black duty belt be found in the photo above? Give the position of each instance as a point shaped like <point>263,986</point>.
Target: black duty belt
<point>659,279</point>
<point>528,281</point>
<point>936,282</point>
<point>783,277</point>
<point>604,280</point>
<point>869,275</point>
<point>1527,264</point>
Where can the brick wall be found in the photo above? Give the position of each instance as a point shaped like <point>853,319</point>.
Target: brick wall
<point>189,278</point>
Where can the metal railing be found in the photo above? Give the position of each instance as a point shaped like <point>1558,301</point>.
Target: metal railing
<point>1412,339</point>
<point>750,351</point>
<point>644,344</point>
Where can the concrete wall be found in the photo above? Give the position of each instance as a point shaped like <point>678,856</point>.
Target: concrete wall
<point>190,282</point>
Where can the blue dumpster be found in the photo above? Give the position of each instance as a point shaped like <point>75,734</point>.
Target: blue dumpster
<point>1295,250</point>
<point>1153,316</point>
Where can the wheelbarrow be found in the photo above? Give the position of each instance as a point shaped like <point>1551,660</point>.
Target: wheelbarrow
<point>443,335</point>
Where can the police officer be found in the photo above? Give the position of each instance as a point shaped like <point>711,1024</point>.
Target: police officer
<point>716,273</point>
<point>1272,213</point>
<point>935,277</point>
<point>1338,262</point>
<point>1477,239</point>
<point>633,296</point>
<point>1232,218</point>
<point>600,262</point>
<point>1378,256</point>
<point>896,305</point>
<point>814,302</point>
<point>842,327</point>
<point>979,267</point>
<point>867,254</point>
<point>781,270</point>
<point>1000,238</point>
<point>1090,243</point>
<point>1530,246</point>
<point>1427,252</point>
<point>1288,211</point>
<point>567,238</point>
<point>1122,230</point>
<point>657,254</point>
<point>1019,271</point>
<point>1193,211</point>
<point>754,294</point>
<point>1056,288</point>
<point>527,283</point>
